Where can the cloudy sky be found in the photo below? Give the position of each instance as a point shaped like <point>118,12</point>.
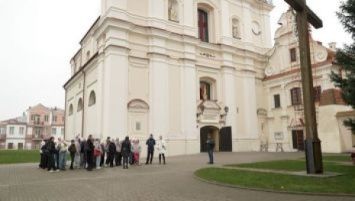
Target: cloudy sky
<point>38,38</point>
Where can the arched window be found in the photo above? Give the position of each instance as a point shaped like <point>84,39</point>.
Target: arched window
<point>236,29</point>
<point>92,98</point>
<point>80,104</point>
<point>296,96</point>
<point>71,109</point>
<point>173,10</point>
<point>203,25</point>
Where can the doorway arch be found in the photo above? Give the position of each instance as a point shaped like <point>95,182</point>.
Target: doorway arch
<point>204,132</point>
<point>222,138</point>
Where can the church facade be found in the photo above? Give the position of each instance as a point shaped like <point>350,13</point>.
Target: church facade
<point>176,68</point>
<point>182,69</point>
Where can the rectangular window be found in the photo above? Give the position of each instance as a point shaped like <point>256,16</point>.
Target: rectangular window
<point>296,98</point>
<point>37,132</point>
<point>46,118</point>
<point>62,130</point>
<point>277,102</point>
<point>22,130</point>
<point>54,118</point>
<point>203,25</point>
<point>12,130</point>
<point>317,91</point>
<point>293,56</point>
<point>36,119</point>
<point>54,131</point>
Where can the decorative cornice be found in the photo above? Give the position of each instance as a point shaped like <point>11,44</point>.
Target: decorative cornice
<point>81,70</point>
<point>295,70</point>
<point>158,54</point>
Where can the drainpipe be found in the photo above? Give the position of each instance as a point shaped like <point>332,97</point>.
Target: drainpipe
<point>65,115</point>
<point>83,111</point>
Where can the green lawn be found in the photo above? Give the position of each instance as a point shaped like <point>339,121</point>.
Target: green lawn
<point>335,158</point>
<point>19,156</point>
<point>340,184</point>
<point>290,165</point>
<point>338,158</point>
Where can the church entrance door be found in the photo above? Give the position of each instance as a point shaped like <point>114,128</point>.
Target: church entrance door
<point>204,132</point>
<point>225,139</point>
<point>298,140</point>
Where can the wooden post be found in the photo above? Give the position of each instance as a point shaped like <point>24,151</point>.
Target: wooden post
<point>313,149</point>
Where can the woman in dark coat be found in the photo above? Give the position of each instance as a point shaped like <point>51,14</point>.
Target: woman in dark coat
<point>51,152</point>
<point>111,152</point>
<point>126,152</point>
<point>90,153</point>
<point>44,155</point>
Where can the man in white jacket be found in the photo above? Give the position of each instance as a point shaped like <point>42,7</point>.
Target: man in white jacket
<point>161,146</point>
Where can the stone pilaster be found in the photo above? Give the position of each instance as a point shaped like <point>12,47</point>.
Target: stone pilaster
<point>229,97</point>
<point>250,111</point>
<point>159,86</point>
<point>115,85</point>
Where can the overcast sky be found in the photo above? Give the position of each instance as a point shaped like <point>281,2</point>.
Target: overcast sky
<point>38,38</point>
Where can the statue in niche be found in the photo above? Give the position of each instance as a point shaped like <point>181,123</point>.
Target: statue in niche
<point>235,29</point>
<point>205,91</point>
<point>173,11</point>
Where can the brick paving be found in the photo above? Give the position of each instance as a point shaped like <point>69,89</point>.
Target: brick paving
<point>173,181</point>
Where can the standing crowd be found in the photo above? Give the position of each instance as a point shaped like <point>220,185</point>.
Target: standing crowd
<point>91,153</point>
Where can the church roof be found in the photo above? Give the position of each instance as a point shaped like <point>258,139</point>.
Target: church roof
<point>81,69</point>
<point>331,97</point>
<point>92,26</point>
<point>296,70</point>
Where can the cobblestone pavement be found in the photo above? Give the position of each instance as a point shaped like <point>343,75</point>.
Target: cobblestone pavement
<point>173,181</point>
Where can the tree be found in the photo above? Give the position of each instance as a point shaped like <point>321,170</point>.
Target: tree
<point>346,59</point>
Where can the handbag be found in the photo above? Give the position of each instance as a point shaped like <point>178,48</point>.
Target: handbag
<point>97,152</point>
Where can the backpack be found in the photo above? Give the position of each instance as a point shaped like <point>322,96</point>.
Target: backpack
<point>72,148</point>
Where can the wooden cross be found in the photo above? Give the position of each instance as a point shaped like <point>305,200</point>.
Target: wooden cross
<point>301,6</point>
<point>313,149</point>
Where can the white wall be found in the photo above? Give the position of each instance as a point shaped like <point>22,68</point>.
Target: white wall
<point>16,134</point>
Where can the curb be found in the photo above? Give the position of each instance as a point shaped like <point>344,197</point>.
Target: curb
<point>268,190</point>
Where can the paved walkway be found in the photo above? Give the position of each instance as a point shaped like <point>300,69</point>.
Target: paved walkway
<point>172,182</point>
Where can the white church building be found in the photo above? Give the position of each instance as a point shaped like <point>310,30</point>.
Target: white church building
<point>181,69</point>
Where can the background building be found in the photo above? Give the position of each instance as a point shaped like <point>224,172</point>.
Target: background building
<point>282,120</point>
<point>15,131</point>
<point>27,131</point>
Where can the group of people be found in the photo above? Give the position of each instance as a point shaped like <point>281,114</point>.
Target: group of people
<point>91,153</point>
